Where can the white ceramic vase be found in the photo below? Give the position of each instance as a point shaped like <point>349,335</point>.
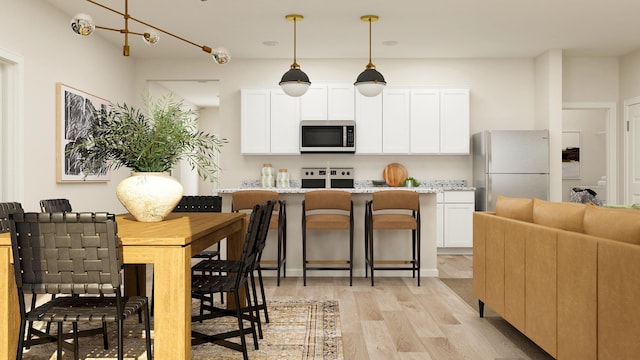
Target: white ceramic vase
<point>149,196</point>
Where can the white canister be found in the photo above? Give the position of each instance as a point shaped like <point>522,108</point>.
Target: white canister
<point>267,181</point>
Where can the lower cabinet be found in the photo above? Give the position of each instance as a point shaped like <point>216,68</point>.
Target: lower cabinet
<point>454,219</point>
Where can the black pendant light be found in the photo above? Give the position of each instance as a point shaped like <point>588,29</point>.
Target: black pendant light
<point>294,82</point>
<point>370,82</point>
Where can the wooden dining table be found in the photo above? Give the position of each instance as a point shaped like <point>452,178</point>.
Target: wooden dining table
<point>169,246</point>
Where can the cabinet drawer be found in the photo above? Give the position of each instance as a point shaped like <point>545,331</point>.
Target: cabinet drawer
<point>459,197</point>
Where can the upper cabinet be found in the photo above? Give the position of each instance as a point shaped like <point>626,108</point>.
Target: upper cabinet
<point>269,122</point>
<point>328,101</point>
<point>403,121</point>
<point>413,121</point>
<point>368,124</point>
<point>454,121</point>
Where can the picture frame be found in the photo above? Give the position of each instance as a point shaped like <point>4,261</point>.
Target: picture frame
<point>75,111</point>
<point>571,168</point>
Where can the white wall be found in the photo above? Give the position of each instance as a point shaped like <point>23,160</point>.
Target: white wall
<point>52,53</point>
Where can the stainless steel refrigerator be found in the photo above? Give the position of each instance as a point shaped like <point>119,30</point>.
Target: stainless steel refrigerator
<point>511,163</point>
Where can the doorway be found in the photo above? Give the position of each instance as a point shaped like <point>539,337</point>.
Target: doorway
<point>11,126</point>
<point>631,148</point>
<point>594,127</point>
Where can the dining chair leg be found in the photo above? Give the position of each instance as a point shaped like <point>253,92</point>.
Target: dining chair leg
<point>256,307</point>
<point>60,340</point>
<point>264,297</point>
<point>147,329</point>
<point>76,346</point>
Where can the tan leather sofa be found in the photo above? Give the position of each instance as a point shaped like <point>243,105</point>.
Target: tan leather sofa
<point>566,275</point>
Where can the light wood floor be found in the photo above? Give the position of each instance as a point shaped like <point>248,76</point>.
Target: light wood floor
<point>398,320</point>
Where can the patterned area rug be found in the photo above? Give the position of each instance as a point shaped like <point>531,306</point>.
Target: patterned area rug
<point>298,329</point>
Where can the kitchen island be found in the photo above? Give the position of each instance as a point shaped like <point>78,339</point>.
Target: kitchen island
<point>326,246</point>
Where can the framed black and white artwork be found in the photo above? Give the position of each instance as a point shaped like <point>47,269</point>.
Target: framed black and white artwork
<point>75,111</point>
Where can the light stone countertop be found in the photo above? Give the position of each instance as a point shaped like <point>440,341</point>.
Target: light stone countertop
<point>357,190</point>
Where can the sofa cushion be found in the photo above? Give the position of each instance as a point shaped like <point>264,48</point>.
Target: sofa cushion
<point>515,208</point>
<point>559,215</point>
<point>614,224</point>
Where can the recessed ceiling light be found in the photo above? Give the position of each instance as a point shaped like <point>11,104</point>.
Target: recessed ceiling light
<point>390,43</point>
<point>270,43</point>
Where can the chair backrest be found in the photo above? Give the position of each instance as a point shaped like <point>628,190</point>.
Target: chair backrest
<point>246,199</point>
<point>55,205</point>
<point>256,228</point>
<point>396,200</point>
<point>65,253</point>
<point>327,200</point>
<point>7,208</point>
<point>264,229</point>
<point>199,203</point>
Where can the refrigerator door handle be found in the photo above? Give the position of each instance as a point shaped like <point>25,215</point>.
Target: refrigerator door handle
<point>490,204</point>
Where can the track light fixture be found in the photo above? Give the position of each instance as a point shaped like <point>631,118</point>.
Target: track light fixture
<point>370,82</point>
<point>294,82</point>
<point>83,25</point>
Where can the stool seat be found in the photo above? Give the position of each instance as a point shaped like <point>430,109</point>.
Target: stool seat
<point>328,221</point>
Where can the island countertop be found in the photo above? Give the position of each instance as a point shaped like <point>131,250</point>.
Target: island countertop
<point>356,190</point>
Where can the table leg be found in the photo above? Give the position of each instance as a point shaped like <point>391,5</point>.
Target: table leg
<point>172,301</point>
<point>9,309</point>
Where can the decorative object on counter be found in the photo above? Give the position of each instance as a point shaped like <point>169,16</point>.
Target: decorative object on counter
<point>282,180</point>
<point>267,178</point>
<point>410,182</point>
<point>370,82</point>
<point>294,82</point>
<point>394,174</point>
<point>152,141</point>
<point>83,25</point>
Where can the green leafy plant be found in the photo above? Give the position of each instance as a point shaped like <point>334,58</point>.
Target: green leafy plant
<point>153,140</point>
<point>414,182</point>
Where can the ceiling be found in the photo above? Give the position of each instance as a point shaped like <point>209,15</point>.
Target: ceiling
<point>406,29</point>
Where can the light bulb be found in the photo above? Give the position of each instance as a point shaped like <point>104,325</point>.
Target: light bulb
<point>150,37</point>
<point>82,24</point>
<point>221,55</point>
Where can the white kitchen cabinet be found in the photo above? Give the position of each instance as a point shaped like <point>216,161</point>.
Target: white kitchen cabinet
<point>269,122</point>
<point>454,121</point>
<point>255,121</point>
<point>440,121</point>
<point>368,124</point>
<point>425,121</point>
<point>328,101</point>
<point>285,123</point>
<point>454,219</point>
<point>396,121</point>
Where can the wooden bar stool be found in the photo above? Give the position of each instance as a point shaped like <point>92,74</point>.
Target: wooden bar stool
<point>327,210</point>
<point>393,210</point>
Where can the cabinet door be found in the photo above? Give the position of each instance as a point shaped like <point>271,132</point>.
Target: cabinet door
<point>255,121</point>
<point>341,101</point>
<point>458,225</point>
<point>368,124</point>
<point>454,121</point>
<point>313,104</point>
<point>425,121</point>
<point>395,121</point>
<point>285,123</point>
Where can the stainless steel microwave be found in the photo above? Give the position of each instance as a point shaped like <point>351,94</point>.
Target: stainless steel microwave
<point>327,136</point>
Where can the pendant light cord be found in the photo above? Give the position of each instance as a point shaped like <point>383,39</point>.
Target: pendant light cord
<point>295,64</point>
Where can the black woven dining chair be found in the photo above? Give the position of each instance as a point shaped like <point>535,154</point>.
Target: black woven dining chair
<point>234,282</point>
<point>68,254</point>
<point>55,205</point>
<point>230,266</point>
